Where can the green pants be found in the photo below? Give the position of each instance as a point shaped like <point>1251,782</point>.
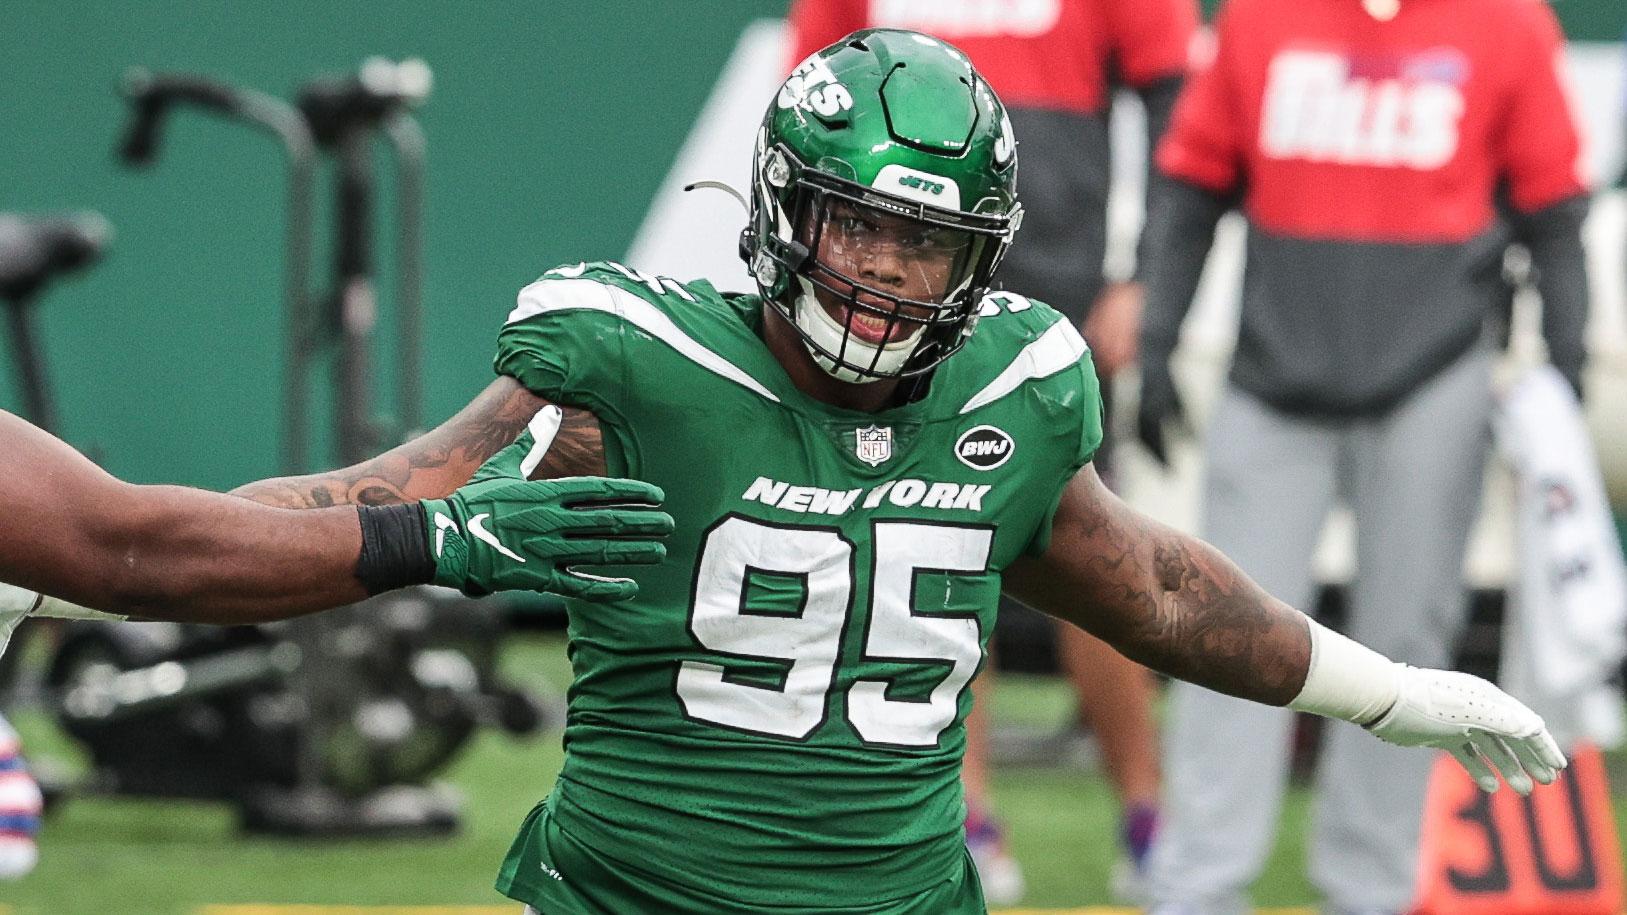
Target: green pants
<point>573,879</point>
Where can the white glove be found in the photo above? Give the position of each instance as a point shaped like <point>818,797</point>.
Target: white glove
<point>1475,722</point>
<point>15,603</point>
<point>1414,707</point>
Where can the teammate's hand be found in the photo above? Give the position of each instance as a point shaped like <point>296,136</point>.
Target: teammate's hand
<point>1113,327</point>
<point>501,532</point>
<point>15,604</point>
<point>1475,722</point>
<point>1160,407</point>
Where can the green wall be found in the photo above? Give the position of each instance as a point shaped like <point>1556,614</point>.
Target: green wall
<point>1593,20</point>
<point>550,126</point>
<point>1584,20</point>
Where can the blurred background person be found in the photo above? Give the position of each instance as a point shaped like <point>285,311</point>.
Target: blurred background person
<point>1056,63</point>
<point>20,808</point>
<point>1369,145</point>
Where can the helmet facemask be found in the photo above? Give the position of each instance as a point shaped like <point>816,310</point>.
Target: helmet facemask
<point>877,285</point>
<point>883,197</point>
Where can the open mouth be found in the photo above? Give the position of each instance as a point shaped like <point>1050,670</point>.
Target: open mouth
<point>870,327</point>
<point>870,323</point>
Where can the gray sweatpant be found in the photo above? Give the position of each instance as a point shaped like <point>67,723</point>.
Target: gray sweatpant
<point>1412,478</point>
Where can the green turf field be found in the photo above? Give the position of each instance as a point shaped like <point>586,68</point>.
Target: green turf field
<point>150,858</point>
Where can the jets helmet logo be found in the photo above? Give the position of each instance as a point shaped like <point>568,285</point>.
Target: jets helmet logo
<point>873,444</point>
<point>984,447</point>
<point>814,87</point>
<point>1005,145</point>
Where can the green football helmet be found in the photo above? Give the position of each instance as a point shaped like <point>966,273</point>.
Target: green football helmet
<point>883,198</point>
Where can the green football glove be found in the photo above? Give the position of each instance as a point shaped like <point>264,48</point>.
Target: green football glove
<point>502,533</point>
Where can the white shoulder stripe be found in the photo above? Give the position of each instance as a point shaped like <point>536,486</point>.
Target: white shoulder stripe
<point>561,295</point>
<point>1056,349</point>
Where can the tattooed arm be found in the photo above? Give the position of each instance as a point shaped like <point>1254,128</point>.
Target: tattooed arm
<point>439,461</point>
<point>1169,601</point>
<point>167,552</point>
<point>1174,603</point>
<point>81,536</point>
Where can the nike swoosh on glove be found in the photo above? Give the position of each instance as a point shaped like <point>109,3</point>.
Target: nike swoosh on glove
<point>501,532</point>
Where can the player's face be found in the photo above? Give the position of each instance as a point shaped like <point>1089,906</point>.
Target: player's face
<point>861,249</point>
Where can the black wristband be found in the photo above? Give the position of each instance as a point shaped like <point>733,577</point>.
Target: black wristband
<point>395,547</point>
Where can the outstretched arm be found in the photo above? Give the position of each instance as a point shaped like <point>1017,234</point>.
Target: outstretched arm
<point>172,553</point>
<point>76,532</point>
<point>441,460</point>
<point>1166,600</point>
<point>1175,604</point>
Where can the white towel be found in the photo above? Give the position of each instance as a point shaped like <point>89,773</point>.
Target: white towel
<point>1566,633</point>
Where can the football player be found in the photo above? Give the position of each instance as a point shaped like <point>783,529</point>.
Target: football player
<point>860,456</point>
<point>166,552</point>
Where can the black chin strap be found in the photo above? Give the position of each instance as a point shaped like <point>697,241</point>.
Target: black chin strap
<point>912,389</point>
<point>797,256</point>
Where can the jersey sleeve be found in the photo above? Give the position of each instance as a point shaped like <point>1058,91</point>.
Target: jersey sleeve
<point>1204,144</point>
<point>1085,436</point>
<point>565,340</point>
<point>1538,142</point>
<point>1151,38</point>
<point>817,23</point>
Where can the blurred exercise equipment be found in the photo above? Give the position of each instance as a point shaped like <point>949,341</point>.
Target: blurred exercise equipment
<point>338,116</point>
<point>308,736</point>
<point>332,724</point>
<point>32,252</point>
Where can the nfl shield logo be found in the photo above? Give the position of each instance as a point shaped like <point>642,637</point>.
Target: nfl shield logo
<point>873,444</point>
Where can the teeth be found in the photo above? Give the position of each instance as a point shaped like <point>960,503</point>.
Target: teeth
<point>867,321</point>
<point>869,326</point>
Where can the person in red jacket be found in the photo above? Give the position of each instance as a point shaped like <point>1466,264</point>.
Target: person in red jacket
<point>1055,64</point>
<point>1385,153</point>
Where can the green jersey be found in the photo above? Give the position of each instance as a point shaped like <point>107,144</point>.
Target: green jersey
<point>778,716</point>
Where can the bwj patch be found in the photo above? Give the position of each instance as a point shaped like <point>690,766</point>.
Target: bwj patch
<point>984,447</point>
